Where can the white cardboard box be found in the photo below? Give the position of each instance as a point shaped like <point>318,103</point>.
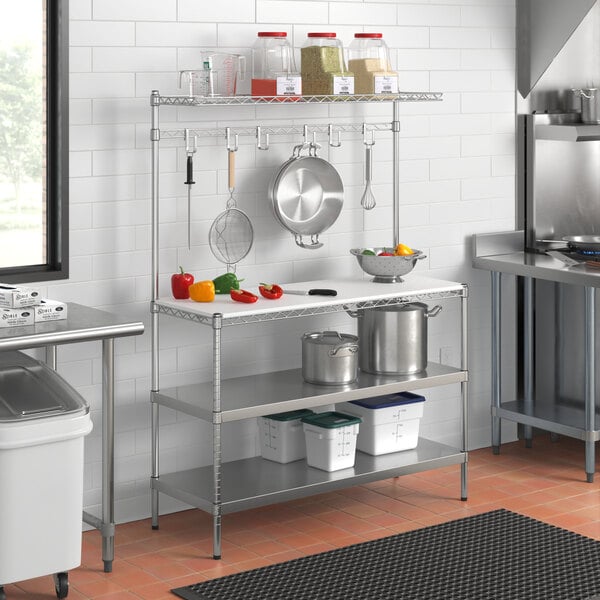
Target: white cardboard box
<point>16,317</point>
<point>49,310</point>
<point>17,297</point>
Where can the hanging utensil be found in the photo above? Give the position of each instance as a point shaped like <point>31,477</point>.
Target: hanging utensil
<point>368,199</point>
<point>231,234</point>
<point>190,149</point>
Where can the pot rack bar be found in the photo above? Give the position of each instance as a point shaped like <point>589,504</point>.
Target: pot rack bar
<point>260,131</point>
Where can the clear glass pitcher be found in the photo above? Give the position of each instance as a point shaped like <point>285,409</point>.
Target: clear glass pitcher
<point>219,75</point>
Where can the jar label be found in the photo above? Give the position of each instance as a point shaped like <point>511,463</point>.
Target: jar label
<point>291,85</point>
<point>343,86</point>
<point>386,84</point>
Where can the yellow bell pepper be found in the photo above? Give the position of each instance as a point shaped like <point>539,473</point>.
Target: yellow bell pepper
<point>202,291</point>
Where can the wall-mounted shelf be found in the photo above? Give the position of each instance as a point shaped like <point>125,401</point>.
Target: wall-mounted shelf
<point>572,132</point>
<point>260,100</point>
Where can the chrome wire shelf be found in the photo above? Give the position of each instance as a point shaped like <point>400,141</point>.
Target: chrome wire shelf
<point>157,99</point>
<point>307,311</point>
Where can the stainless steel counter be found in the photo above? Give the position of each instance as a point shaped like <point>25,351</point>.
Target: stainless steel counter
<point>502,254</point>
<point>85,324</point>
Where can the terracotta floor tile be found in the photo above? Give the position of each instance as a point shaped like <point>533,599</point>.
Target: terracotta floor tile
<point>546,482</point>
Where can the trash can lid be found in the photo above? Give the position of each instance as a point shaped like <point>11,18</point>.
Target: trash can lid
<point>29,389</point>
<point>331,420</point>
<point>291,415</point>
<point>389,400</point>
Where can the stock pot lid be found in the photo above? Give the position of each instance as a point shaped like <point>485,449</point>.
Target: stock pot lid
<point>411,306</point>
<point>329,338</point>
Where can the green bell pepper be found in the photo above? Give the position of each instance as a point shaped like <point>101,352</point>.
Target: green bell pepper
<point>226,282</point>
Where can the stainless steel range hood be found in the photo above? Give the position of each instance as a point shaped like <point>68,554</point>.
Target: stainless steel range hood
<point>558,47</point>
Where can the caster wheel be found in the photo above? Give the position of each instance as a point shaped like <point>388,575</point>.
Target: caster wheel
<point>2,593</point>
<point>61,585</point>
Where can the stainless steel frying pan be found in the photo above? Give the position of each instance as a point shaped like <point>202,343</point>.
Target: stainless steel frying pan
<point>307,195</point>
<point>590,243</point>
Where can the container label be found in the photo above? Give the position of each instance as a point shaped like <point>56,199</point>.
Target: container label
<point>343,86</point>
<point>386,84</point>
<point>289,86</point>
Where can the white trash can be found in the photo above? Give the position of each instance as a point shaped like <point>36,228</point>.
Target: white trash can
<point>43,421</point>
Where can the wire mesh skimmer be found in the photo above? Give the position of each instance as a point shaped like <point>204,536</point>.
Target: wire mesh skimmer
<point>231,234</point>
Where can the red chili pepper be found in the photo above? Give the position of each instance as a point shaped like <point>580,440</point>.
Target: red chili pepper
<point>243,296</point>
<point>180,284</point>
<point>270,290</point>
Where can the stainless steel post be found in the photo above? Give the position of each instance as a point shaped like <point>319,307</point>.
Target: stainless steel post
<point>496,359</point>
<point>464,390</point>
<point>396,171</point>
<point>108,455</point>
<point>51,356</point>
<point>155,138</point>
<point>528,355</point>
<point>590,381</point>
<point>217,508</point>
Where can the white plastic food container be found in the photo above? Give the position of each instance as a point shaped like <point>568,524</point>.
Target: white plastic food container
<point>390,423</point>
<point>43,421</point>
<point>282,436</point>
<point>331,440</point>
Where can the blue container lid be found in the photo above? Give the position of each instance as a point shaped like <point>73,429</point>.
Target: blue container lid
<point>291,415</point>
<point>331,420</point>
<point>389,400</point>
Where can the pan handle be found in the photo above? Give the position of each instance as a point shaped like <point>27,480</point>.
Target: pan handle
<point>314,242</point>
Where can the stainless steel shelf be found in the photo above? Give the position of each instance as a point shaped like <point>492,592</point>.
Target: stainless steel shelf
<point>157,99</point>
<point>574,132</point>
<point>255,481</point>
<point>558,418</point>
<point>281,391</point>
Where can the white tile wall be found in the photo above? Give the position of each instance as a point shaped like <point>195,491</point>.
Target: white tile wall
<point>456,178</point>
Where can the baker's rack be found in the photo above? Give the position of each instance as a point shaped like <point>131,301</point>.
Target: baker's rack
<point>204,400</point>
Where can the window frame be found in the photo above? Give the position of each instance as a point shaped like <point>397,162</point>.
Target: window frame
<point>57,153</point>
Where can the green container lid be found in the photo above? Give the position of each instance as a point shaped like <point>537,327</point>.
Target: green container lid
<point>331,420</point>
<point>292,415</point>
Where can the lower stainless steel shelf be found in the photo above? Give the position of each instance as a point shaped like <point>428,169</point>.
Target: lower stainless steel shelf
<point>280,391</point>
<point>558,418</point>
<point>255,481</point>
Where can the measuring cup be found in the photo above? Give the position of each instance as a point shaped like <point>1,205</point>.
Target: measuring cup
<point>219,75</point>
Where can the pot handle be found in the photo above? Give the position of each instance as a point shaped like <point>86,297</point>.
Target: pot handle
<point>355,314</point>
<point>434,311</point>
<point>314,242</point>
<point>343,350</point>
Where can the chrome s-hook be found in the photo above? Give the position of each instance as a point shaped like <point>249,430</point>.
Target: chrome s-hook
<point>231,148</point>
<point>259,139</point>
<point>338,141</point>
<point>367,142</point>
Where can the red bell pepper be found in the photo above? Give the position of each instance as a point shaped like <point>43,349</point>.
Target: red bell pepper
<point>386,254</point>
<point>272,291</point>
<point>180,284</point>
<point>243,296</point>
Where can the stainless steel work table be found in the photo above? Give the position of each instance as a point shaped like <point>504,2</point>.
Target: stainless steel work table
<point>85,324</point>
<point>502,253</point>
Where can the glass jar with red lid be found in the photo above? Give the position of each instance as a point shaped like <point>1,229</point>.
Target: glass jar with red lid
<point>323,67</point>
<point>273,66</point>
<point>369,60</point>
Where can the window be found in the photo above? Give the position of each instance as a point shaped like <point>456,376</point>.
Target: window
<point>34,121</point>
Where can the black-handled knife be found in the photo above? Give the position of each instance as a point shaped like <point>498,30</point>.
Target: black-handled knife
<point>312,292</point>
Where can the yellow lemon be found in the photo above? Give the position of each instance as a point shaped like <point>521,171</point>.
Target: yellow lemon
<point>403,250</point>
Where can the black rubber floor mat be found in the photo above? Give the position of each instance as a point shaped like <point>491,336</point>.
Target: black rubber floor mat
<point>499,555</point>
